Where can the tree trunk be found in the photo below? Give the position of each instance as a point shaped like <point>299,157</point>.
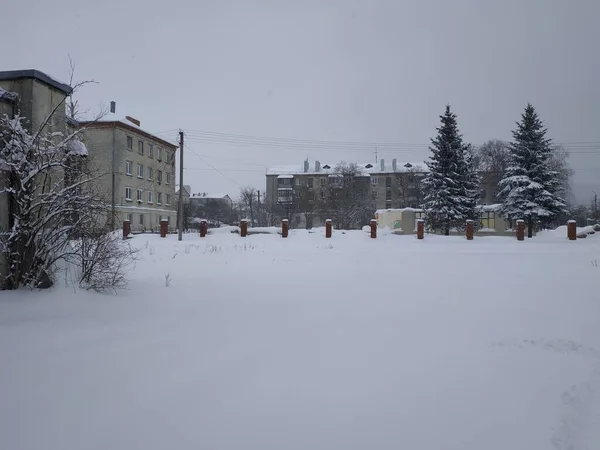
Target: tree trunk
<point>530,227</point>
<point>447,230</point>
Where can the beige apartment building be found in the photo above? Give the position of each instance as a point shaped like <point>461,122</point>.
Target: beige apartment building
<point>136,172</point>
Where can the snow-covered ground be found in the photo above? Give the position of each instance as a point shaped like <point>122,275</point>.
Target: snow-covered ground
<point>264,343</point>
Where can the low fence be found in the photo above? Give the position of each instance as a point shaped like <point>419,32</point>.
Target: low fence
<point>470,232</point>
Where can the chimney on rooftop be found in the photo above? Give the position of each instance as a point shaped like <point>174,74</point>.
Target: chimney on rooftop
<point>306,166</point>
<point>317,166</point>
<point>132,120</point>
<point>394,164</point>
<point>382,165</point>
<point>113,107</point>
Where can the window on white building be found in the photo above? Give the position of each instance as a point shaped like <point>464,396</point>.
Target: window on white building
<point>488,220</point>
<point>128,168</point>
<point>140,171</point>
<point>128,194</point>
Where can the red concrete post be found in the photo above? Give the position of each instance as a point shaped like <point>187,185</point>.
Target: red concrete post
<point>373,228</point>
<point>164,228</point>
<point>572,230</point>
<point>470,230</point>
<point>244,228</point>
<point>420,229</point>
<point>328,227</point>
<point>203,228</point>
<point>284,228</point>
<point>126,229</point>
<point>520,230</point>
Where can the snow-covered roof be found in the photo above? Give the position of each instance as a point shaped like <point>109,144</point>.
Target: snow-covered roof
<point>381,211</point>
<point>112,118</point>
<point>491,208</point>
<point>209,195</point>
<point>11,96</point>
<point>367,168</point>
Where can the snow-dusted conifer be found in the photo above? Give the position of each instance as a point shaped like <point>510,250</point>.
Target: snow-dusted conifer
<point>529,187</point>
<point>452,184</point>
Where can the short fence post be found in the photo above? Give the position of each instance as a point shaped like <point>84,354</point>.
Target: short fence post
<point>164,228</point>
<point>572,230</point>
<point>244,228</point>
<point>284,228</point>
<point>470,230</point>
<point>203,228</point>
<point>373,228</point>
<point>520,230</point>
<point>328,226</point>
<point>420,229</point>
<point>126,229</point>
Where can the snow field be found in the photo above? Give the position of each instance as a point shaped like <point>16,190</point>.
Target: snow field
<point>353,343</point>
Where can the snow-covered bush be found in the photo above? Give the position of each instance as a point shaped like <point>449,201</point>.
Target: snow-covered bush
<point>103,260</point>
<point>52,204</point>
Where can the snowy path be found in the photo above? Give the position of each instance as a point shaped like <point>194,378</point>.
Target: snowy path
<point>350,344</point>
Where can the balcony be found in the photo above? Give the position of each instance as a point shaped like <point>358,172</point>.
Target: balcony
<point>285,195</point>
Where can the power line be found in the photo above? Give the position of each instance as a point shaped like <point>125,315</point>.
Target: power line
<point>217,135</point>
<point>210,165</point>
<point>226,137</point>
<point>354,148</point>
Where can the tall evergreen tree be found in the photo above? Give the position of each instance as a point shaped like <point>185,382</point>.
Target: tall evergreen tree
<point>529,187</point>
<point>452,184</point>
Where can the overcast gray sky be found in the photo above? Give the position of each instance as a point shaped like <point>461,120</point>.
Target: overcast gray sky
<point>331,70</point>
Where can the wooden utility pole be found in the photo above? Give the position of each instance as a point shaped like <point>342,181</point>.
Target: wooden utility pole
<point>180,211</point>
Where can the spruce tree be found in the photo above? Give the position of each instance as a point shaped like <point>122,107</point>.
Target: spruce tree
<point>452,184</point>
<point>529,187</point>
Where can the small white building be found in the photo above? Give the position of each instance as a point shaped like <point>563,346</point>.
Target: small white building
<point>404,220</point>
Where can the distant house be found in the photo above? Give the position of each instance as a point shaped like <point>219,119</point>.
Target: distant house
<point>203,199</point>
<point>187,193</point>
<point>215,208</point>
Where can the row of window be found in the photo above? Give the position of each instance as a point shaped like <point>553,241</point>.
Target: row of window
<point>149,171</point>
<point>129,217</point>
<point>333,180</point>
<point>143,148</point>
<point>149,196</point>
<point>291,193</point>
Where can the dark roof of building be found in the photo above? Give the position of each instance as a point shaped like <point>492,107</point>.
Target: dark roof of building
<point>9,75</point>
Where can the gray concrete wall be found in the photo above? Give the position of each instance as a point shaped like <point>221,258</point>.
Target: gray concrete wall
<point>37,101</point>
